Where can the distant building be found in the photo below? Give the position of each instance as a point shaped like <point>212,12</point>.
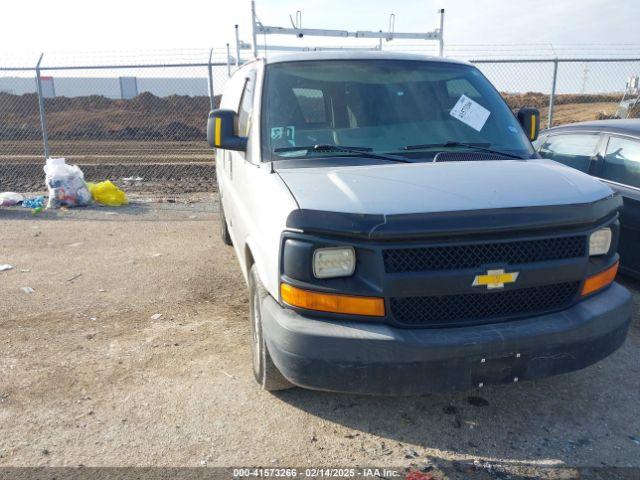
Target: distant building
<point>111,87</point>
<point>48,87</point>
<point>128,87</point>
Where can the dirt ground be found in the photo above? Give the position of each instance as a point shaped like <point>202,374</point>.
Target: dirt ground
<point>89,377</point>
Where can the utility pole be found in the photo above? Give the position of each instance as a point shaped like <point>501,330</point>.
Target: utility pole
<point>585,76</point>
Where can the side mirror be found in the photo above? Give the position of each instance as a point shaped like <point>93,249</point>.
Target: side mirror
<point>220,131</point>
<point>529,118</point>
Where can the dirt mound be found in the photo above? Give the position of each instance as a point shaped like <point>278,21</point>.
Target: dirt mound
<point>541,100</point>
<point>183,118</point>
<point>144,117</point>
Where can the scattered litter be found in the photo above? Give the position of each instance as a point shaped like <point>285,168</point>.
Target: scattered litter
<point>76,244</point>
<point>227,374</point>
<point>27,289</point>
<point>66,184</point>
<point>5,266</point>
<point>479,464</point>
<point>132,179</point>
<point>36,202</point>
<point>25,270</point>
<point>410,453</point>
<point>93,318</point>
<point>74,277</point>
<point>106,193</point>
<point>101,290</point>
<point>9,199</point>
<point>36,211</point>
<point>156,316</point>
<point>156,255</point>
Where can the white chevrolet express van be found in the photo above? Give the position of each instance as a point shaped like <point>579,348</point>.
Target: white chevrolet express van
<point>398,233</point>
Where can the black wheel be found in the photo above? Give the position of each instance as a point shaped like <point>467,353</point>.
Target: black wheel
<point>264,371</point>
<point>224,229</point>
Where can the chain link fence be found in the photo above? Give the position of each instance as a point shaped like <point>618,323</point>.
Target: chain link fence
<point>568,90</point>
<point>142,124</point>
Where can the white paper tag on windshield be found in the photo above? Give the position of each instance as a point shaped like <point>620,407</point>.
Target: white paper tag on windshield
<point>470,112</point>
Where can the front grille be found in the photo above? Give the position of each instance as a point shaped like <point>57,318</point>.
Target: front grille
<point>455,310</point>
<point>456,257</point>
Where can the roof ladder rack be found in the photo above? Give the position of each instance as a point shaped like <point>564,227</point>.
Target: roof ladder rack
<point>298,31</point>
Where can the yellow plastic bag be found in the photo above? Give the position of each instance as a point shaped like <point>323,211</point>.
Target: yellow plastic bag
<point>107,193</point>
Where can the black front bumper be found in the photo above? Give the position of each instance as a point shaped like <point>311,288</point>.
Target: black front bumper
<point>372,358</point>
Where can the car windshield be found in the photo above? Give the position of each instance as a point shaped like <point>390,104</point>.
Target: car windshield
<point>384,106</point>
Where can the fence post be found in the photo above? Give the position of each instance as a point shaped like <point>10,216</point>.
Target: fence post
<point>228,61</point>
<point>210,73</point>
<point>43,118</point>
<point>552,97</point>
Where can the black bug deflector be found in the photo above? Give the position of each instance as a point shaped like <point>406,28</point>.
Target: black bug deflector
<point>420,225</point>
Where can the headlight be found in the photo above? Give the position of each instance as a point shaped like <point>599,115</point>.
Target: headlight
<point>334,262</point>
<point>600,241</point>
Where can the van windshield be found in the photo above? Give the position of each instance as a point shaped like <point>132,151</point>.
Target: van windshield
<point>384,106</point>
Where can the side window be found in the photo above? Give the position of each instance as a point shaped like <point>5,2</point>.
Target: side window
<point>622,162</point>
<point>246,105</point>
<point>573,150</point>
<point>312,105</point>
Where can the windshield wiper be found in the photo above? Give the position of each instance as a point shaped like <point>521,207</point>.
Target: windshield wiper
<point>478,146</point>
<point>359,151</point>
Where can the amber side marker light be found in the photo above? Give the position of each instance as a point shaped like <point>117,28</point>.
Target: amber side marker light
<point>328,302</point>
<point>599,280</point>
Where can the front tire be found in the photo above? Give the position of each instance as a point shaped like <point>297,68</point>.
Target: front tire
<point>265,372</point>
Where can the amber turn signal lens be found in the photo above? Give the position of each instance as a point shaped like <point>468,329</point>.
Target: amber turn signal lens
<point>328,302</point>
<point>599,280</point>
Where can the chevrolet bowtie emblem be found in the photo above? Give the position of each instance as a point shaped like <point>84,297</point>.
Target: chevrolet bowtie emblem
<point>495,278</point>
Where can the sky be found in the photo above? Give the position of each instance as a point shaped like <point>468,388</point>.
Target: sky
<point>130,32</point>
<point>137,25</point>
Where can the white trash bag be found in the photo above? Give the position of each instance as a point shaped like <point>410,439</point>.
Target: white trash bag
<point>9,199</point>
<point>66,184</point>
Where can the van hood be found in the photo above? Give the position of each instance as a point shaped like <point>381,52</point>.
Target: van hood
<point>397,189</point>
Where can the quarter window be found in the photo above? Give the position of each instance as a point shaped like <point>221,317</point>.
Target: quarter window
<point>246,106</point>
<point>573,150</point>
<point>622,162</point>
